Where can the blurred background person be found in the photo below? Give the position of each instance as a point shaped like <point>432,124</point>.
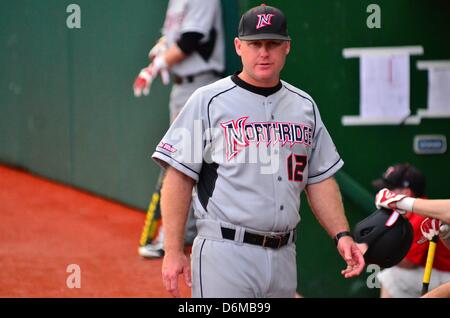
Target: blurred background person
<point>405,279</point>
<point>192,49</point>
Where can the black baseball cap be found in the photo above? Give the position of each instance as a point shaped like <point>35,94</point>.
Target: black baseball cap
<point>402,175</point>
<point>263,23</point>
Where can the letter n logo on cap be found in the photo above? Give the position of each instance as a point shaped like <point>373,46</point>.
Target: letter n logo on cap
<point>264,20</point>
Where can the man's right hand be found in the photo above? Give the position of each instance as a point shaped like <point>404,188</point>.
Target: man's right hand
<point>175,264</point>
<point>388,200</point>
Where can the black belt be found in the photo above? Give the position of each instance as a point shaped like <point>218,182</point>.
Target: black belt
<point>190,78</point>
<point>272,241</point>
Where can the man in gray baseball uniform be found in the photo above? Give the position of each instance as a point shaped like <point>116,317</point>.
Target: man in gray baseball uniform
<point>250,144</point>
<point>192,49</point>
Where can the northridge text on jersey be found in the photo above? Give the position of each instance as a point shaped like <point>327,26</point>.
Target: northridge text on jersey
<point>238,132</point>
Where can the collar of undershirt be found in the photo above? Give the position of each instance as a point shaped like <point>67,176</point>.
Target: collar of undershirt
<point>264,91</point>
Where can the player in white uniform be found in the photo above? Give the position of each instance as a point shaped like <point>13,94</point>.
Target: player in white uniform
<point>250,144</point>
<point>192,48</point>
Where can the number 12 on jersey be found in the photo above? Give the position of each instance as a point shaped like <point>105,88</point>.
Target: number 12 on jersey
<point>296,164</point>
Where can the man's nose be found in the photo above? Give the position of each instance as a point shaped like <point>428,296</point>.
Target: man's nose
<point>263,51</point>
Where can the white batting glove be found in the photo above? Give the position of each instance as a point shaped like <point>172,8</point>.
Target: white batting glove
<point>159,66</point>
<point>430,228</point>
<point>390,200</point>
<point>159,49</point>
<point>142,82</point>
<point>165,77</point>
<point>147,75</point>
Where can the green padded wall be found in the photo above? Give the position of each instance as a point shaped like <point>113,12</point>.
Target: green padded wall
<point>34,112</point>
<point>66,101</point>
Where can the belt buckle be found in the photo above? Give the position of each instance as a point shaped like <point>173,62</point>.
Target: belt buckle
<point>278,237</point>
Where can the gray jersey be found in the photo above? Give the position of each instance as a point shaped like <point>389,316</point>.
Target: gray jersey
<point>251,150</point>
<point>198,16</point>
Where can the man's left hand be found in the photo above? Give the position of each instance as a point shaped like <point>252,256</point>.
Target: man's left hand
<point>352,256</point>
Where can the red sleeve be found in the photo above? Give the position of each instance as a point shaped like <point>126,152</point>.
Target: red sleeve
<point>418,252</point>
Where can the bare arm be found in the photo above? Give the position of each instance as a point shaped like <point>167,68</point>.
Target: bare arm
<point>176,196</point>
<point>325,201</point>
<point>442,291</point>
<point>437,209</point>
<point>433,209</point>
<point>174,55</point>
<point>175,200</point>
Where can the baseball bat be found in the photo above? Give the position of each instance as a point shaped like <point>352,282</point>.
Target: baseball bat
<point>429,264</point>
<point>153,216</point>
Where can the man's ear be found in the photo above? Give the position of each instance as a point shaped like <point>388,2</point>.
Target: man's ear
<point>237,46</point>
<point>288,47</point>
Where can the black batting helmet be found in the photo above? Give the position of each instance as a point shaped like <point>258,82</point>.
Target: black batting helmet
<point>388,236</point>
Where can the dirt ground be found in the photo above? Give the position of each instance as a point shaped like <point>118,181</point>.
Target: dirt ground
<point>45,227</point>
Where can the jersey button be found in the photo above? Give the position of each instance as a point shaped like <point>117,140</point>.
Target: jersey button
<point>281,207</point>
<point>280,178</point>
